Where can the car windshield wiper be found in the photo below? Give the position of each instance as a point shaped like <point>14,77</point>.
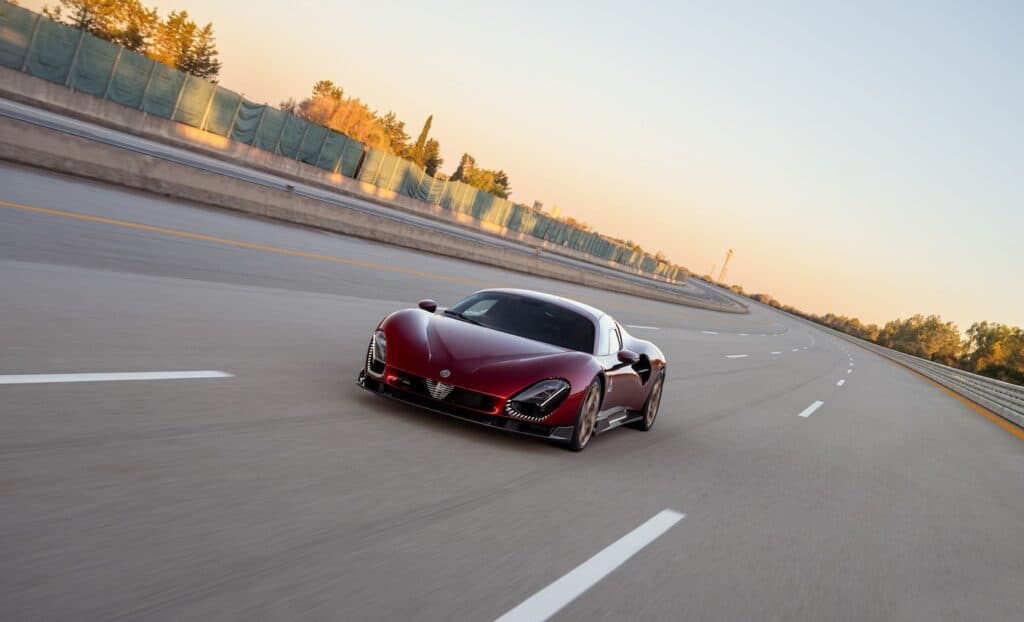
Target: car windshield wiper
<point>462,317</point>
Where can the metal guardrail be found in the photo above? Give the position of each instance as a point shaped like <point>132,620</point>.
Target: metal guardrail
<point>1002,398</point>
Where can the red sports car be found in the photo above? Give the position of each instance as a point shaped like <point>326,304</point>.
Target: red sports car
<point>520,361</point>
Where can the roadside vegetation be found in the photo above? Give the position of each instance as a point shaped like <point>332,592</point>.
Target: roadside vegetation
<point>987,348</point>
<point>175,40</point>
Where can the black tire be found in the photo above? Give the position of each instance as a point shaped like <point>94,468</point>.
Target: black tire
<point>586,418</point>
<point>651,406</point>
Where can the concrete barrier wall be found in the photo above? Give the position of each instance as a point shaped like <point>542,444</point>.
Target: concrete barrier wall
<point>27,89</point>
<point>30,144</point>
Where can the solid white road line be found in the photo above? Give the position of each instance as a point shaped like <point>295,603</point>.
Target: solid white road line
<point>554,597</point>
<point>111,377</point>
<point>810,409</point>
<point>735,356</point>
<point>841,383</point>
<point>643,327</point>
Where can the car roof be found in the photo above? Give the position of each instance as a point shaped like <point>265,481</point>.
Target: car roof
<point>590,312</point>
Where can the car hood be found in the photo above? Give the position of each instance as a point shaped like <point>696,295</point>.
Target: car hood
<point>477,358</point>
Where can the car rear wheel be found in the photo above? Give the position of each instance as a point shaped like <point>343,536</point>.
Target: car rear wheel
<point>651,406</point>
<point>586,420</point>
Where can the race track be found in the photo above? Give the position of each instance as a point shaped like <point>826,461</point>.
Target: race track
<point>280,490</point>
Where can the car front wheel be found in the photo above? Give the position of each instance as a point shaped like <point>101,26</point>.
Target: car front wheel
<point>586,419</point>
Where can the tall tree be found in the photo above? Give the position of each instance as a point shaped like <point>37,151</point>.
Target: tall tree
<point>96,17</point>
<point>327,88</point>
<point>432,159</point>
<point>466,165</point>
<point>201,58</point>
<point>418,153</point>
<point>395,131</point>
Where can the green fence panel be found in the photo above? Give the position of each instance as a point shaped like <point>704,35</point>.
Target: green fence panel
<point>291,136</point>
<point>16,26</point>
<point>415,182</point>
<point>130,76</point>
<point>247,122</point>
<point>351,156</point>
<point>391,175</point>
<point>51,52</point>
<point>194,101</point>
<point>435,189</point>
<point>372,164</point>
<point>515,217</point>
<point>162,90</point>
<point>330,153</point>
<point>223,111</point>
<point>90,72</point>
<point>447,194</point>
<point>312,143</point>
<point>270,127</point>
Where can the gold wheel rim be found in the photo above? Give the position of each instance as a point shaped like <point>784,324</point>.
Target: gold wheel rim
<point>589,418</point>
<point>655,402</point>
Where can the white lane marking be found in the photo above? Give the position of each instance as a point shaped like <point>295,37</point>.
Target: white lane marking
<point>796,349</point>
<point>643,327</point>
<point>810,409</point>
<point>709,332</point>
<point>554,597</point>
<point>744,335</point>
<point>849,371</point>
<point>776,352</point>
<point>735,356</point>
<point>111,377</point>
<point>841,382</point>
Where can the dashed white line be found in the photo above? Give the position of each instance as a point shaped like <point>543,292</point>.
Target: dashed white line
<point>111,377</point>
<point>810,409</point>
<point>796,349</point>
<point>776,352</point>
<point>736,356</point>
<point>709,332</point>
<point>554,597</point>
<point>841,383</point>
<point>642,327</point>
<point>849,371</point>
<point>744,335</point>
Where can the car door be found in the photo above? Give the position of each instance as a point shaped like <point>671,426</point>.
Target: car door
<point>622,383</point>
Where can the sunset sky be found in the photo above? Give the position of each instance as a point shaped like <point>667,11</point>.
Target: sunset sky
<point>861,158</point>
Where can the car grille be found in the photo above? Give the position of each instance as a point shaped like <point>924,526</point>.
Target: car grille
<point>446,392</point>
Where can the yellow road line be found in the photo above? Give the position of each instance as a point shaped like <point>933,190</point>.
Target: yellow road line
<point>271,249</point>
<point>250,245</point>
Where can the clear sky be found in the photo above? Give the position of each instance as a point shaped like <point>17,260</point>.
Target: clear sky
<point>862,158</point>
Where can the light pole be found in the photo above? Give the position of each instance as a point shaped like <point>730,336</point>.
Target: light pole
<point>721,275</point>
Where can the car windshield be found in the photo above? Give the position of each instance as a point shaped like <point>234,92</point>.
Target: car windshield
<point>528,317</point>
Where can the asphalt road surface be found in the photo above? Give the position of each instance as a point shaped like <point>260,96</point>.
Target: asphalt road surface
<point>279,490</point>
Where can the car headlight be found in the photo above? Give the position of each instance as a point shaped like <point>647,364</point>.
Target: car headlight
<point>380,347</point>
<point>539,400</point>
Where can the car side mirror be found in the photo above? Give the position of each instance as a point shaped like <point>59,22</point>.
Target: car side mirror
<point>628,357</point>
<point>428,305</point>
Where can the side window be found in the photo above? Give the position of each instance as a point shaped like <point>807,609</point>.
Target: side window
<point>610,342</point>
<point>480,307</point>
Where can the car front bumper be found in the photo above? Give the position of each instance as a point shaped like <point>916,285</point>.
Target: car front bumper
<point>505,424</point>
